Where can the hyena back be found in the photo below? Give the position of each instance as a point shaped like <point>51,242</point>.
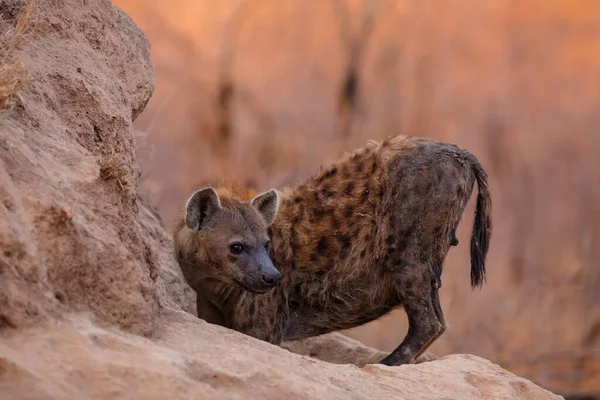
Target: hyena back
<point>365,236</point>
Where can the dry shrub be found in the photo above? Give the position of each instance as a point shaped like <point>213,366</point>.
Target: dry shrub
<point>13,75</point>
<point>114,168</point>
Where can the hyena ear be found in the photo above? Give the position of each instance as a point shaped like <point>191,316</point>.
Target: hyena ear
<point>267,205</point>
<point>200,206</point>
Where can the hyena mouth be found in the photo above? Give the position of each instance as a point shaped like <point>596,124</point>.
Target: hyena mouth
<point>258,290</point>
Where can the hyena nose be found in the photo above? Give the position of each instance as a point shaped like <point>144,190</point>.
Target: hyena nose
<point>272,279</point>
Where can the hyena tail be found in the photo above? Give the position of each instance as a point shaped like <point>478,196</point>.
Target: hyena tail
<point>482,225</point>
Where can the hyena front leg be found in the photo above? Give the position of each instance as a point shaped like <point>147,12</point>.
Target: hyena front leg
<point>208,312</point>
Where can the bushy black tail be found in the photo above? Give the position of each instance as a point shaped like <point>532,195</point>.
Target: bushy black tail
<point>482,226</point>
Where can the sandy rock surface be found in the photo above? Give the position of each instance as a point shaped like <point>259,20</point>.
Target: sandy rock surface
<point>186,358</point>
<point>92,303</point>
<point>74,234</point>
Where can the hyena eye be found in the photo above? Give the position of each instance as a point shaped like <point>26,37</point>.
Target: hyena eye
<point>267,245</point>
<point>236,248</point>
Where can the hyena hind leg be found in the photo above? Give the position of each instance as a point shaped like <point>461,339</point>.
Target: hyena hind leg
<point>435,300</point>
<point>437,308</point>
<point>424,326</point>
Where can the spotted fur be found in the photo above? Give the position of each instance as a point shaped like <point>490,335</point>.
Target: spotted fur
<point>362,237</point>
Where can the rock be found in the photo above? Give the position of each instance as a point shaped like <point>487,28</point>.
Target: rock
<point>189,358</point>
<point>74,233</point>
<point>335,348</point>
<point>340,349</point>
<point>92,303</point>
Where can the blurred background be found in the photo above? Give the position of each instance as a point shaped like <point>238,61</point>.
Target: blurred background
<point>265,92</point>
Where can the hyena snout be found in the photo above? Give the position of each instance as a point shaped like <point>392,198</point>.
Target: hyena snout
<point>263,276</point>
<point>269,274</point>
<point>272,277</point>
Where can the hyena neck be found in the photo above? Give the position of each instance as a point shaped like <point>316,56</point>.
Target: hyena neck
<point>238,306</point>
<point>220,294</point>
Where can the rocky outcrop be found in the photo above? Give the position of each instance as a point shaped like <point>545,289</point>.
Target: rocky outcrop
<point>188,358</point>
<point>92,303</point>
<point>74,234</point>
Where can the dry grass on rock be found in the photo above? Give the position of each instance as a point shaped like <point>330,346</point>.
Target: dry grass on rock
<point>13,75</point>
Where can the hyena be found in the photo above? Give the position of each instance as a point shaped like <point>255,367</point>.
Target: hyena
<point>361,238</point>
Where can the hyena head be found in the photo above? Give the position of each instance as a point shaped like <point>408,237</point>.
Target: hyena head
<point>232,243</point>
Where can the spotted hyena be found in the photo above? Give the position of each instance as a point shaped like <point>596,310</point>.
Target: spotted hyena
<point>357,240</point>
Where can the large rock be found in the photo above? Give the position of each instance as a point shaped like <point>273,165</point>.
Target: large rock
<point>188,358</point>
<point>92,303</point>
<point>73,232</point>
